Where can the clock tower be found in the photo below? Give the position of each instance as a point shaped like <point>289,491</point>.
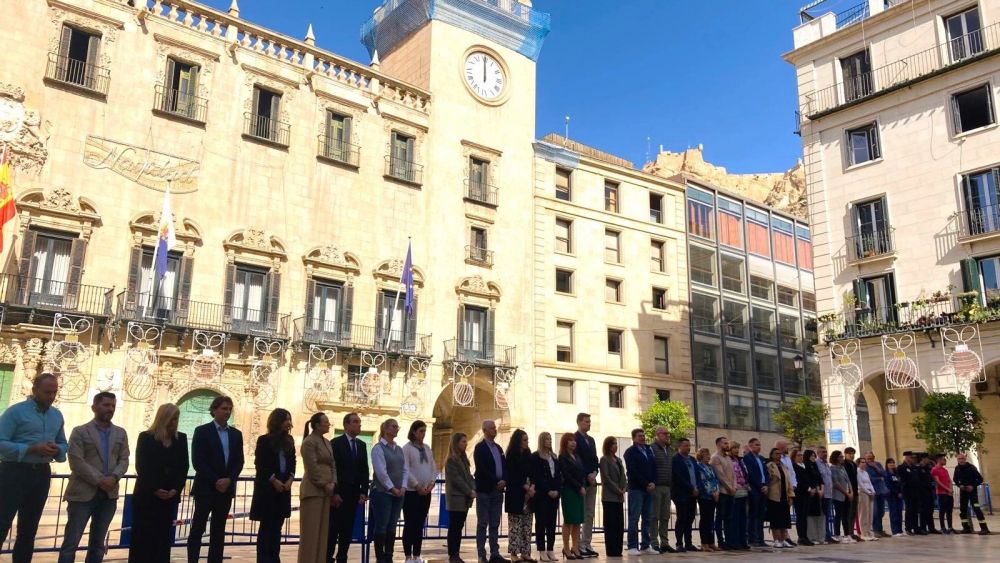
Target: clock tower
<point>477,59</point>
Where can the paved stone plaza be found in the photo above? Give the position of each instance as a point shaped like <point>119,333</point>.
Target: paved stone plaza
<point>927,549</point>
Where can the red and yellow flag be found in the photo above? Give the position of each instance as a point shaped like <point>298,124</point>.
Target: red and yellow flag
<point>6,192</point>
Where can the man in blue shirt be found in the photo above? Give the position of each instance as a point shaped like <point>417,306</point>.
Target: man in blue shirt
<point>217,452</point>
<point>32,435</point>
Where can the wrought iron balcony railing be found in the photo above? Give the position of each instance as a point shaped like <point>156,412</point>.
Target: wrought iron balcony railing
<point>871,244</point>
<point>266,129</point>
<point>187,313</point>
<point>339,151</point>
<point>181,104</point>
<point>979,221</point>
<point>482,353</point>
<point>479,256</point>
<point>904,72</point>
<point>481,192</point>
<point>62,68</point>
<point>50,295</point>
<point>853,14</point>
<point>404,170</point>
<point>360,337</point>
<point>904,317</point>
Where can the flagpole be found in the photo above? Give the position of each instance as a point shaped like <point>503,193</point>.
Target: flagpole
<point>395,301</point>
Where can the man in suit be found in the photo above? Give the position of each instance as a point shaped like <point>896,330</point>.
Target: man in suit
<point>351,459</point>
<point>685,495</point>
<point>491,481</point>
<point>586,450</point>
<point>98,459</point>
<point>641,471</point>
<point>757,477</point>
<point>217,453</point>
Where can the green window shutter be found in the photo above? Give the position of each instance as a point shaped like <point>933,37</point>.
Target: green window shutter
<point>970,275</point>
<point>6,382</point>
<point>861,293</point>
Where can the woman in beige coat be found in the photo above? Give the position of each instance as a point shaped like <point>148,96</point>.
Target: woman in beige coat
<point>318,482</point>
<point>780,496</point>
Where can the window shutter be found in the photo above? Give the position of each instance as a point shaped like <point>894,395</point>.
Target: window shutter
<point>274,131</point>
<point>192,88</point>
<point>861,293</point>
<point>184,294</point>
<point>411,328</point>
<point>876,149</point>
<point>380,299</point>
<point>93,50</point>
<point>227,299</point>
<point>78,251</point>
<point>956,116</point>
<point>311,302</point>
<point>970,275</point>
<point>24,273</point>
<point>461,326</point>
<point>347,313</point>
<point>346,135</point>
<point>275,106</point>
<point>134,279</point>
<point>171,69</point>
<point>62,62</point>
<point>272,315</point>
<point>255,104</point>
<point>409,150</point>
<point>890,295</point>
<point>989,103</point>
<point>488,342</point>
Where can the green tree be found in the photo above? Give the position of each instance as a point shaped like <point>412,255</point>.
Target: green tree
<point>801,420</point>
<point>950,423</point>
<point>673,415</point>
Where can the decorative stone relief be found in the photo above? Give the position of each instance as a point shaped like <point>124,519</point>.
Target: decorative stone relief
<point>268,249</point>
<point>390,271</point>
<point>252,77</point>
<point>206,65</point>
<point>23,130</point>
<point>478,287</point>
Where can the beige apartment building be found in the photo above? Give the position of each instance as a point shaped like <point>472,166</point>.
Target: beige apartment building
<point>899,130</point>
<point>610,290</point>
<point>297,180</point>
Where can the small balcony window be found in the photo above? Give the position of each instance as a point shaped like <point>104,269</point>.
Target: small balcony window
<point>857,73</point>
<point>401,161</point>
<point>77,61</point>
<point>178,95</point>
<point>263,121</point>
<point>965,37</point>
<point>335,143</point>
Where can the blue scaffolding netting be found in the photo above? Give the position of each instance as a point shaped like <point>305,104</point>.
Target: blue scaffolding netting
<point>506,22</point>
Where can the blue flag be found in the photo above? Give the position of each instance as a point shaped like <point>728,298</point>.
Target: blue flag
<point>406,281</point>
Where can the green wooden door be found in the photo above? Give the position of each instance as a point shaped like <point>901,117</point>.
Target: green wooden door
<point>6,382</point>
<point>194,413</point>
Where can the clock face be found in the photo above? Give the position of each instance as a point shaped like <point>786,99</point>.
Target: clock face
<point>484,76</point>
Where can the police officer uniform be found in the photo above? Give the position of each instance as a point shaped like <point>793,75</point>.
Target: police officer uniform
<point>966,475</point>
<point>910,481</point>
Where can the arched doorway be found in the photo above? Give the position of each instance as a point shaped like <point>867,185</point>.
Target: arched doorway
<point>194,411</point>
<point>450,418</point>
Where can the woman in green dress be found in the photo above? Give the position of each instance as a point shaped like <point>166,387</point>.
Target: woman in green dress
<point>574,489</point>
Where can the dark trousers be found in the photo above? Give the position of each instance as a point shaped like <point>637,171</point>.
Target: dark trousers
<point>828,517</point>
<point>614,527</point>
<point>723,510</point>
<point>269,540</point>
<point>685,520</point>
<point>736,525</point>
<point>489,507</point>
<point>545,522</point>
<point>217,506</point>
<point>878,512</point>
<point>912,512</point>
<point>456,525</point>
<point>926,512</point>
<point>415,509</point>
<point>152,529</point>
<point>24,488</point>
<point>801,519</point>
<point>967,500</point>
<point>706,508</point>
<point>755,524</point>
<point>842,508</point>
<point>946,504</point>
<point>338,540</point>
<point>895,513</point>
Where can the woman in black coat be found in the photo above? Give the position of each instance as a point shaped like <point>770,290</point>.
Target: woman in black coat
<point>547,476</point>
<point>161,465</point>
<point>274,460</point>
<point>520,490</point>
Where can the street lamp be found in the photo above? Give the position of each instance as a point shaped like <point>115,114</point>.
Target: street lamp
<point>892,405</point>
<point>798,361</point>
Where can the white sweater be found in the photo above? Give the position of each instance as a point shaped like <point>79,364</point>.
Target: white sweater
<point>421,474</point>
<point>865,483</point>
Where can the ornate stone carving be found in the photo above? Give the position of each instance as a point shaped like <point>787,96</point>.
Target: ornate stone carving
<point>256,239</point>
<point>477,286</point>
<point>206,65</point>
<point>62,199</point>
<point>391,270</point>
<point>23,130</point>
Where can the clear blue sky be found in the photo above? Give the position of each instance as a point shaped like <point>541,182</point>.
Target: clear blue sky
<point>681,72</point>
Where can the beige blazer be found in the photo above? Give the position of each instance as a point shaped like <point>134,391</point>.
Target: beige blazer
<point>774,482</point>
<point>320,471</point>
<point>724,473</point>
<point>86,461</point>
